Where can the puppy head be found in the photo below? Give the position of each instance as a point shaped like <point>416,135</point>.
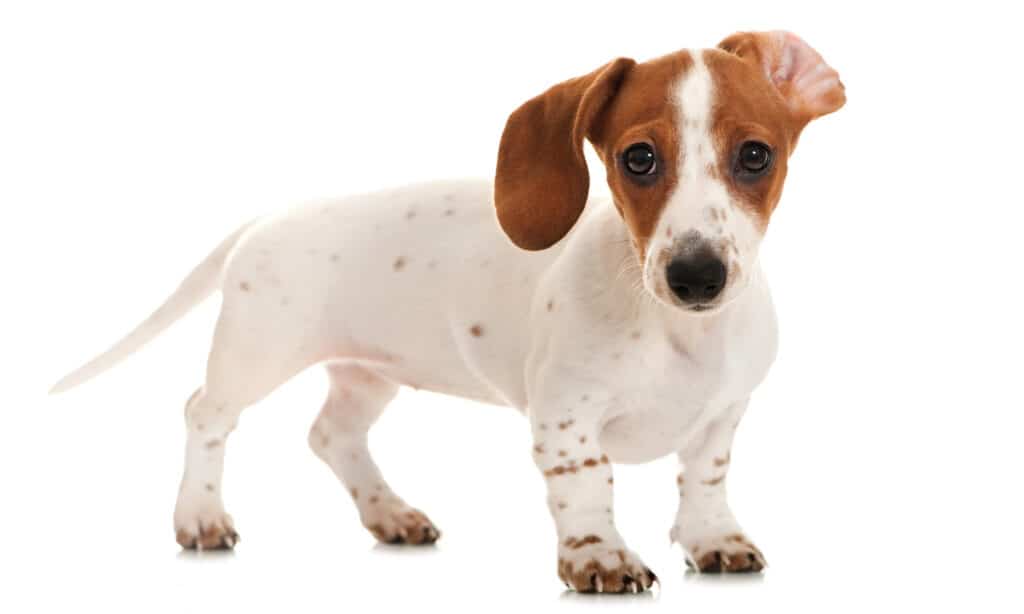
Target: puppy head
<point>694,144</point>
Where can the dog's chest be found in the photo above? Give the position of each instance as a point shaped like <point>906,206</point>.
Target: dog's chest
<point>671,386</point>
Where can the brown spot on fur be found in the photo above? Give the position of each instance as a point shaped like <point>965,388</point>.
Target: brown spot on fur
<point>590,462</point>
<point>551,305</point>
<point>213,443</point>
<point>718,462</point>
<point>539,448</point>
<point>714,481</point>
<point>335,257</point>
<point>374,499</point>
<point>679,479</point>
<point>449,212</point>
<point>563,453</point>
<point>562,505</point>
<point>399,264</point>
<point>586,540</point>
<point>604,459</point>
<point>564,425</point>
<point>476,330</point>
<point>410,214</point>
<point>583,439</point>
<point>244,286</point>
<point>355,492</point>
<point>210,488</point>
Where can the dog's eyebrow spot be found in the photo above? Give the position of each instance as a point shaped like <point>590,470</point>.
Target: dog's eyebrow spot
<point>244,286</point>
<point>476,330</point>
<point>399,264</point>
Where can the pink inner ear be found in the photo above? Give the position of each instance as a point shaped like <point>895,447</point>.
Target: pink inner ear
<point>809,84</point>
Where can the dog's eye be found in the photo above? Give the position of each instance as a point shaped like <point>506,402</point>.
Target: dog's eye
<point>639,159</point>
<point>754,158</point>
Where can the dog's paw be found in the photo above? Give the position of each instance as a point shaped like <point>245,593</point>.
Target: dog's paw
<point>731,553</point>
<point>588,565</point>
<point>397,523</point>
<point>212,534</point>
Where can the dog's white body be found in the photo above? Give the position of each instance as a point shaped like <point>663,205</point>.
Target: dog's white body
<point>610,360</point>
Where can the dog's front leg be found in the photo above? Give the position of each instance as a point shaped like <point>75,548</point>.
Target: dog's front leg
<point>592,556</point>
<point>705,526</point>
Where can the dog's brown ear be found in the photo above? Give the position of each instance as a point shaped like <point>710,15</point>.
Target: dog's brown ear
<point>541,183</point>
<point>810,87</point>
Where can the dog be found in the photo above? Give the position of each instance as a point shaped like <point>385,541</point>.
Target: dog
<point>625,329</point>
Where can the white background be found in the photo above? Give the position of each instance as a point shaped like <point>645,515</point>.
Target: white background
<point>879,467</point>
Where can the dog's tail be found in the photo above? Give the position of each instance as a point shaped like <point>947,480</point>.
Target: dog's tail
<point>199,284</point>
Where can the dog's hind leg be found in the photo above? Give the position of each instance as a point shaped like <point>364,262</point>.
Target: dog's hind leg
<point>244,366</point>
<point>339,437</point>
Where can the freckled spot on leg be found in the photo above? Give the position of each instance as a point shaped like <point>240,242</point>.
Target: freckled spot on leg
<point>564,425</point>
<point>200,427</point>
<point>213,443</point>
<point>679,479</point>
<point>210,488</point>
<point>583,439</point>
<point>722,461</point>
<point>551,305</point>
<point>449,212</point>
<point>539,448</point>
<point>604,459</point>
<point>590,462</point>
<point>399,264</point>
<point>586,540</point>
<point>374,499</point>
<point>476,330</point>
<point>611,480</point>
<point>355,492</point>
<point>562,505</point>
<point>713,481</point>
<point>563,453</point>
<point>335,257</point>
<point>244,286</point>
<point>411,213</point>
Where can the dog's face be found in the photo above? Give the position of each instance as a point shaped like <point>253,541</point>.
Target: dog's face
<point>695,146</point>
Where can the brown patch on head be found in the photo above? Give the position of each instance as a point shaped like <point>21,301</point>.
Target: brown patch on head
<point>476,330</point>
<point>774,84</point>
<point>644,112</point>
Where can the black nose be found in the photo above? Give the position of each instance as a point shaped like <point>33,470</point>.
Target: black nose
<point>696,278</point>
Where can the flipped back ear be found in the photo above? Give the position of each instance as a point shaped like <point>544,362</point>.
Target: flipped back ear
<point>541,182</point>
<point>810,87</point>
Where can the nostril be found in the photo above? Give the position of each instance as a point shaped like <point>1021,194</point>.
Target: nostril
<point>711,289</point>
<point>682,290</point>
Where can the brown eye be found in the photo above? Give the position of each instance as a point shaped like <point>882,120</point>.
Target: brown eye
<point>639,159</point>
<point>754,158</point>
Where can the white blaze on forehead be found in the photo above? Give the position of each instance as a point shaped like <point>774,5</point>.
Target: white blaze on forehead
<point>697,189</point>
<point>694,98</point>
